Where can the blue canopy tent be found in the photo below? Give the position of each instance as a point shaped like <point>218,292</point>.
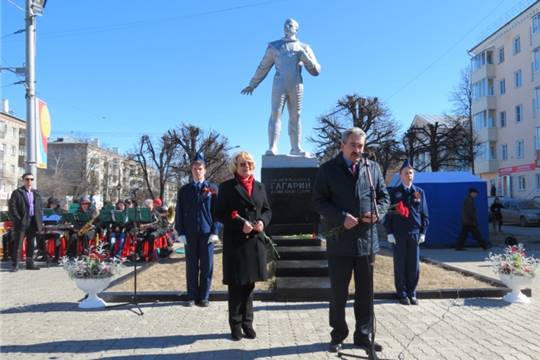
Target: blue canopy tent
<point>445,192</point>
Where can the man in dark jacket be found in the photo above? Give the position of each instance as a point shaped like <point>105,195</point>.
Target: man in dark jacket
<point>25,210</point>
<point>469,222</point>
<point>197,228</point>
<point>342,196</point>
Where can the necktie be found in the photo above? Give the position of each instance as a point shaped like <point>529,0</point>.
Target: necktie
<point>353,167</point>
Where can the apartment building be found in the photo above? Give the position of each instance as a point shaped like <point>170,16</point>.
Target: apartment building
<point>77,167</point>
<point>506,105</point>
<point>12,150</point>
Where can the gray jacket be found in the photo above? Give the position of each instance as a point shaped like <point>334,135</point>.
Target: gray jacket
<point>336,193</point>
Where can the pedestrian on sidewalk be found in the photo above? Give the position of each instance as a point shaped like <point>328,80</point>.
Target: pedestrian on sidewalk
<point>342,196</point>
<point>469,221</point>
<point>496,214</point>
<point>407,229</point>
<point>25,210</point>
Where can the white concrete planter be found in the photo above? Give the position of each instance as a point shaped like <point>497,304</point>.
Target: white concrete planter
<point>92,287</point>
<point>516,283</point>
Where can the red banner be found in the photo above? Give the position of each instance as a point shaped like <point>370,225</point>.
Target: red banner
<point>517,169</point>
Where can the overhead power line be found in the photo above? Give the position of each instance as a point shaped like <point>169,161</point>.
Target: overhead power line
<point>138,23</point>
<point>444,54</point>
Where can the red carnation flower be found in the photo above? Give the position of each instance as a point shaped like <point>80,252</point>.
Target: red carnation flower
<point>234,214</point>
<point>402,210</point>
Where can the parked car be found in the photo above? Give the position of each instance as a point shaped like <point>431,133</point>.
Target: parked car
<point>522,212</point>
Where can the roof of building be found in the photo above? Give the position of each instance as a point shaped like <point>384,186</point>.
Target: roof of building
<point>12,117</point>
<point>503,26</point>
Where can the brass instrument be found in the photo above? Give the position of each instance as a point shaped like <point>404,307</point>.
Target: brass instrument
<point>88,226</point>
<point>171,215</point>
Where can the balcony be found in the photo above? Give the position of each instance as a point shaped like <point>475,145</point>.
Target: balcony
<point>486,166</point>
<point>486,71</point>
<point>487,134</point>
<point>484,103</point>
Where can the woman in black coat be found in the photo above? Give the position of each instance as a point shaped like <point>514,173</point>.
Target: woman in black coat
<point>242,208</point>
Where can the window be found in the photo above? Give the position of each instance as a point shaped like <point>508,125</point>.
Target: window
<point>504,152</point>
<point>483,151</point>
<point>519,113</point>
<point>516,45</point>
<point>521,183</point>
<point>518,79</point>
<point>501,55</point>
<point>538,138</point>
<point>536,23</point>
<point>490,87</point>
<point>502,87</point>
<point>502,116</point>
<point>492,152</point>
<point>538,181</point>
<point>13,150</point>
<point>14,132</point>
<point>536,99</point>
<point>520,149</point>
<point>536,59</point>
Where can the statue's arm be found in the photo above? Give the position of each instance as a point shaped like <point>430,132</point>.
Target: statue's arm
<point>310,61</point>
<point>261,72</point>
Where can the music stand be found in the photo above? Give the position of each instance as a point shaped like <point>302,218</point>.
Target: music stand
<point>136,216</point>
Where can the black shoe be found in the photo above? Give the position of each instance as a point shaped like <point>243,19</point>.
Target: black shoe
<point>31,267</point>
<point>365,344</point>
<point>460,249</point>
<point>189,303</point>
<point>334,348</point>
<point>404,301</point>
<point>249,332</point>
<point>203,303</point>
<point>14,269</point>
<point>413,300</point>
<point>236,334</point>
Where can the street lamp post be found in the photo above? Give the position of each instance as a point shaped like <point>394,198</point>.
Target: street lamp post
<point>33,8</point>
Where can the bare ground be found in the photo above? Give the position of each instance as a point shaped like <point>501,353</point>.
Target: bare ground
<point>170,275</point>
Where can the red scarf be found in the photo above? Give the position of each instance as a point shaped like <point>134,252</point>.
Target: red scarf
<point>247,183</point>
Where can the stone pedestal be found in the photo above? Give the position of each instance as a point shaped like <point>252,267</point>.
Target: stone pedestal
<point>289,182</point>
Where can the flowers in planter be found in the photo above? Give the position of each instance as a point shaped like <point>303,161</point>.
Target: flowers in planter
<point>97,264</point>
<point>514,262</point>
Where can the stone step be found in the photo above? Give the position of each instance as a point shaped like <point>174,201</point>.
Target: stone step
<point>297,268</point>
<point>296,242</point>
<point>302,289</point>
<point>301,252</point>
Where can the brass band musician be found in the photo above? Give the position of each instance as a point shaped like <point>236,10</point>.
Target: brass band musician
<point>83,229</point>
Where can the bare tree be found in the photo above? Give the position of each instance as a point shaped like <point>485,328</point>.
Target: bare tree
<point>159,156</point>
<point>214,147</point>
<point>461,97</point>
<point>369,114</point>
<point>442,141</point>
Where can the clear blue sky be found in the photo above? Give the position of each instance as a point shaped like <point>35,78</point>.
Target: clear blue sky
<point>117,69</point>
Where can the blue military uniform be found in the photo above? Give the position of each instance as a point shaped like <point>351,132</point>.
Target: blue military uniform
<point>194,220</point>
<point>407,232</point>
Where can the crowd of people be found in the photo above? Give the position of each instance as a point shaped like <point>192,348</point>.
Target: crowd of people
<point>349,193</point>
